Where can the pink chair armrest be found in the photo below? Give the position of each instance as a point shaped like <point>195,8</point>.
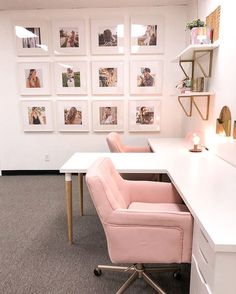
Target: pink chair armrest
<point>126,217</point>
<point>137,224</point>
<point>148,191</point>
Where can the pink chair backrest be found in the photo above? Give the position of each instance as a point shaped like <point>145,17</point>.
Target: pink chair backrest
<point>106,187</point>
<point>114,142</point>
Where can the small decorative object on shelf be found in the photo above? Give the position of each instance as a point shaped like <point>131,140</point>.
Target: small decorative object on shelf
<point>198,84</point>
<point>199,32</point>
<point>184,85</point>
<point>223,123</point>
<point>196,141</point>
<point>234,133</point>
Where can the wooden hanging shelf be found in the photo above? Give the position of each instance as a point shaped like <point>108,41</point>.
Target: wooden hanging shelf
<point>193,102</point>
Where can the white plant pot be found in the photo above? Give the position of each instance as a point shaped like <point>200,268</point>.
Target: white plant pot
<point>200,35</point>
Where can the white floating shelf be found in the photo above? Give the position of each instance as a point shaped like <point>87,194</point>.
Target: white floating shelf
<point>187,53</point>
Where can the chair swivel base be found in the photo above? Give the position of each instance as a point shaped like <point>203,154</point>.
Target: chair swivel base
<point>138,271</point>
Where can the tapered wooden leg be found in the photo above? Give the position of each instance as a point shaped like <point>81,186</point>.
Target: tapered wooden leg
<point>81,195</point>
<point>68,181</point>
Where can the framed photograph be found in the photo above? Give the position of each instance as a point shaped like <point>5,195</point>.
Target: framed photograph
<point>71,77</point>
<point>107,77</point>
<point>147,35</point>
<point>72,116</point>
<point>108,115</point>
<point>69,37</point>
<point>144,115</point>
<point>107,36</point>
<point>31,38</point>
<point>37,116</point>
<point>34,78</point>
<point>146,77</point>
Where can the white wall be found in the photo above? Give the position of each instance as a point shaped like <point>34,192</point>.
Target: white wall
<point>223,78</point>
<point>22,151</point>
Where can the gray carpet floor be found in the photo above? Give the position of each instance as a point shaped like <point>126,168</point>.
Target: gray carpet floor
<point>35,256</point>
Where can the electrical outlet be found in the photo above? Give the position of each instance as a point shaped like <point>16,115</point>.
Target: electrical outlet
<point>46,157</point>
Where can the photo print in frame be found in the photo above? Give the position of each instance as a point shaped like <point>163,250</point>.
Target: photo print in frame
<point>37,115</point>
<point>146,77</point>
<point>72,116</point>
<point>107,77</point>
<point>107,36</point>
<point>108,115</point>
<point>31,38</point>
<point>147,35</point>
<point>71,77</point>
<point>34,78</point>
<point>144,115</point>
<point>69,37</point>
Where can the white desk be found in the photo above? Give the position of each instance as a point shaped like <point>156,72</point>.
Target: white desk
<point>206,183</point>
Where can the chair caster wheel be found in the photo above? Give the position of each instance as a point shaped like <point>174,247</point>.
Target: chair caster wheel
<point>97,272</point>
<point>177,275</point>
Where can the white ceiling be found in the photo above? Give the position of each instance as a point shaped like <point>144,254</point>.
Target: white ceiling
<point>65,4</point>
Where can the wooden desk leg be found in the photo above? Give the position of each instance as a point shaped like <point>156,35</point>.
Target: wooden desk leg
<point>81,194</point>
<point>68,181</point>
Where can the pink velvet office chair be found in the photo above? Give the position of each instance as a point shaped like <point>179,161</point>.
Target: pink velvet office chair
<point>115,145</point>
<point>144,222</point>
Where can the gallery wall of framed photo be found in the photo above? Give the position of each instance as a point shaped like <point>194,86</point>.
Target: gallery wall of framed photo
<point>79,74</point>
<point>88,65</point>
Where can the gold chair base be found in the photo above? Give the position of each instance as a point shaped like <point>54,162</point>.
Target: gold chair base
<point>138,271</point>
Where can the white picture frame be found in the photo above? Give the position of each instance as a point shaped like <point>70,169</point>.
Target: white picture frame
<point>144,115</point>
<point>107,78</point>
<point>108,115</point>
<point>32,38</point>
<point>34,78</point>
<point>107,36</point>
<point>72,116</point>
<point>37,115</point>
<point>69,37</point>
<point>71,77</point>
<point>147,35</point>
<point>146,77</point>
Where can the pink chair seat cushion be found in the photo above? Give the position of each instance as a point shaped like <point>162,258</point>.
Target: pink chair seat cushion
<point>157,207</point>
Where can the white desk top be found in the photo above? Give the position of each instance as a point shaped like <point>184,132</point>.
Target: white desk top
<point>206,183</point>
<point>124,162</point>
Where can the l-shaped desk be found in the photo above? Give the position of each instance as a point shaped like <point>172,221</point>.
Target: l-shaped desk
<point>207,185</point>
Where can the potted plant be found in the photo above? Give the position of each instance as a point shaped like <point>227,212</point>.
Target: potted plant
<point>199,32</point>
<point>196,23</point>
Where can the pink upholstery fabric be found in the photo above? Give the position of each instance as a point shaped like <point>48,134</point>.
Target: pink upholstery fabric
<point>144,222</point>
<point>115,145</point>
<point>157,207</point>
